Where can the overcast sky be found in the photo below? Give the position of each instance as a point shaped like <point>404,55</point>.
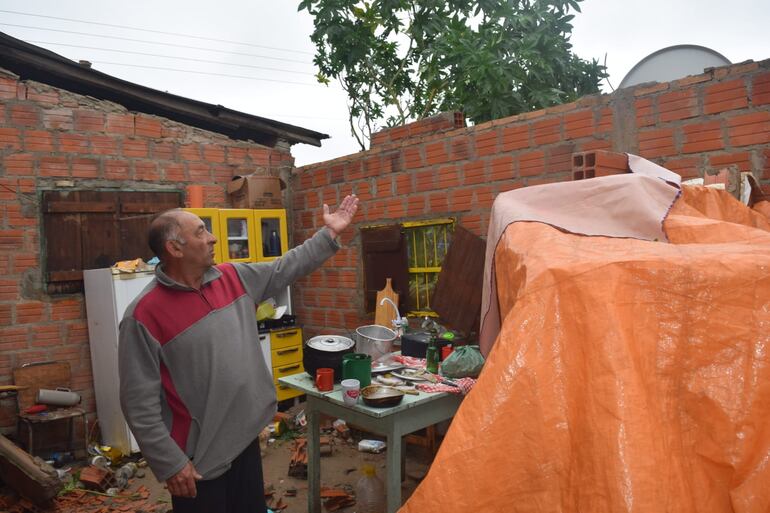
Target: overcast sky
<point>270,73</point>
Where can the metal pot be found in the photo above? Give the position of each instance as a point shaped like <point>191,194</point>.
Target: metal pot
<point>326,351</point>
<point>375,340</point>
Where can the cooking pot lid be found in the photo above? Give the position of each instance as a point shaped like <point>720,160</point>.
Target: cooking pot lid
<point>331,343</point>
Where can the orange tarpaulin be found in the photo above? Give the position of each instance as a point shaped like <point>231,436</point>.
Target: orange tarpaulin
<point>628,375</point>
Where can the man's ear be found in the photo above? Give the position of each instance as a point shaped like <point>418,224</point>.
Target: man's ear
<point>173,248</point>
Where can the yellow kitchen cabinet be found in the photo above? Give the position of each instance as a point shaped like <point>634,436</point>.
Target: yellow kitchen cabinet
<point>285,358</point>
<point>236,227</point>
<point>271,233</point>
<point>210,217</point>
<point>246,235</point>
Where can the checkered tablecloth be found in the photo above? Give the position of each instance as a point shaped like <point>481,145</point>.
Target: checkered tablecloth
<point>464,384</point>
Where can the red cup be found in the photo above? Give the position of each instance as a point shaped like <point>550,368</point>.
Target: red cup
<point>446,351</point>
<point>324,379</point>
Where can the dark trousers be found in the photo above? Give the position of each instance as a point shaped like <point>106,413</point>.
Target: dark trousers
<point>239,490</point>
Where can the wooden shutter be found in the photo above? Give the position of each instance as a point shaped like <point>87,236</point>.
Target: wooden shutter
<point>136,211</point>
<point>457,297</point>
<point>94,229</point>
<point>385,256</point>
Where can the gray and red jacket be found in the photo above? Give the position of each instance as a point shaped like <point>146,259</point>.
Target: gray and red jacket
<point>194,385</point>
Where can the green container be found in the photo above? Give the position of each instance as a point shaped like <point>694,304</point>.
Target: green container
<point>357,366</point>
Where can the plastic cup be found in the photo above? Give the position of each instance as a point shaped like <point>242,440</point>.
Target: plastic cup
<point>351,388</point>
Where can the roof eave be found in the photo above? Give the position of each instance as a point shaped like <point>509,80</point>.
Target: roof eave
<point>31,62</point>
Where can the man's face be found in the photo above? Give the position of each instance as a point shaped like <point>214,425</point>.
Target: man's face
<point>198,246</point>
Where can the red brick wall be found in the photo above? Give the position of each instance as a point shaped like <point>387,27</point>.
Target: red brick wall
<point>47,135</point>
<point>431,169</point>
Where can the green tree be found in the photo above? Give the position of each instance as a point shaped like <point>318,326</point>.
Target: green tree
<point>402,60</point>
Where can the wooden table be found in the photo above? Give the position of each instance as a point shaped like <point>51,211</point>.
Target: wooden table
<point>415,412</point>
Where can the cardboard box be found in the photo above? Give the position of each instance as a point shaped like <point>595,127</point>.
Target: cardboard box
<point>255,191</point>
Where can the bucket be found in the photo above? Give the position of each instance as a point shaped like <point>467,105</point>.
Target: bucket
<point>375,340</point>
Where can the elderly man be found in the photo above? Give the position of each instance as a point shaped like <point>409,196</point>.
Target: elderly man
<point>194,386</point>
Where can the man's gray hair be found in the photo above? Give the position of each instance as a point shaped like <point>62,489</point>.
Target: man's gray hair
<point>163,228</point>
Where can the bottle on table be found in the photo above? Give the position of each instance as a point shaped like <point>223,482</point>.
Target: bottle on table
<point>432,355</point>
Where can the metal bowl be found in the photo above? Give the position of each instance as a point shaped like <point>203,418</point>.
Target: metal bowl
<point>381,397</point>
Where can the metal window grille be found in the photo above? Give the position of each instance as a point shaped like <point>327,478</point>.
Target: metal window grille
<point>427,244</point>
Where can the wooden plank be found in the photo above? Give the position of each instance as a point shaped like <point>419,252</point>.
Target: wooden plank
<point>65,276</point>
<point>32,478</point>
<point>101,248</point>
<point>64,287</point>
<point>141,208</point>
<point>457,296</point>
<point>11,388</point>
<point>58,207</point>
<point>100,241</point>
<point>62,234</point>
<point>133,228</point>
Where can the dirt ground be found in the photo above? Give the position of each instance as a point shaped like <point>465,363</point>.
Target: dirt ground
<point>341,469</point>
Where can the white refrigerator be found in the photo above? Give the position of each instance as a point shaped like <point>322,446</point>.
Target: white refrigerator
<point>107,297</point>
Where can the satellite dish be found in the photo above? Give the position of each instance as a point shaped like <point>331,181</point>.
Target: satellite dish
<point>672,63</point>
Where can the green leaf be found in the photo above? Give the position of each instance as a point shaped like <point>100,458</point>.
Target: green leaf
<point>400,60</point>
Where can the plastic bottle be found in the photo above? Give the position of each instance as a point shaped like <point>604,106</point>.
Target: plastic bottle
<point>275,244</point>
<point>370,492</point>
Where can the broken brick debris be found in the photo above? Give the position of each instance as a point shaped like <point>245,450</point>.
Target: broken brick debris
<point>336,498</point>
<point>85,501</point>
<point>274,500</point>
<point>97,478</point>
<point>325,446</point>
<point>298,462</point>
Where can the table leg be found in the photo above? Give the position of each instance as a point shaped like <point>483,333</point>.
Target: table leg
<point>403,459</point>
<point>393,482</point>
<point>313,460</point>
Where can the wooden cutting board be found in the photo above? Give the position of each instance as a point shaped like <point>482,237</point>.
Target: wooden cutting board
<point>384,314</point>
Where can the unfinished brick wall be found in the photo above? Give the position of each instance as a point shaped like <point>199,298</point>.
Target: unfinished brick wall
<point>431,169</point>
<point>49,135</point>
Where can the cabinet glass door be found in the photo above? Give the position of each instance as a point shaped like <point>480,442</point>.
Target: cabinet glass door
<point>272,237</point>
<point>237,235</point>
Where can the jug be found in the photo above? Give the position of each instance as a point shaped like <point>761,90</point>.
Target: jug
<point>357,366</point>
